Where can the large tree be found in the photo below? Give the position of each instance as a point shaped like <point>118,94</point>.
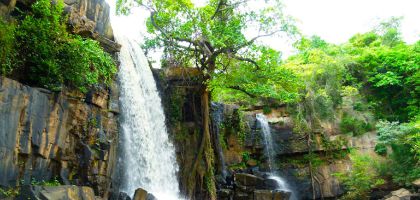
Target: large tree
<point>221,39</point>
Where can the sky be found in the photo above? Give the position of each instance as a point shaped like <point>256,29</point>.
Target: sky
<point>333,20</point>
<point>337,20</point>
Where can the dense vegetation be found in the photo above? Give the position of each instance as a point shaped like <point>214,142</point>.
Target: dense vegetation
<point>38,50</point>
<point>371,79</point>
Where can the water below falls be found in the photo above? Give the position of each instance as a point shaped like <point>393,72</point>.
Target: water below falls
<point>147,157</point>
<point>269,150</point>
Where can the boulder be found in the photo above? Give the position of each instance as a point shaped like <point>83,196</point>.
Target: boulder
<point>401,194</point>
<point>249,180</point>
<point>416,183</point>
<point>123,196</point>
<point>141,194</point>
<point>57,192</point>
<point>252,163</point>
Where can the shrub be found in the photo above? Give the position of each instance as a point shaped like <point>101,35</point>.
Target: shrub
<point>404,139</point>
<point>7,46</point>
<point>362,177</point>
<point>353,126</point>
<point>51,57</point>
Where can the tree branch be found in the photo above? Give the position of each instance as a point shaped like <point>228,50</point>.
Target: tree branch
<point>242,90</point>
<point>247,60</point>
<point>152,19</point>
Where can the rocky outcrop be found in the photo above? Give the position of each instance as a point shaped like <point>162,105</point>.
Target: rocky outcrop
<point>402,194</point>
<point>66,136</point>
<point>244,137</point>
<point>93,13</point>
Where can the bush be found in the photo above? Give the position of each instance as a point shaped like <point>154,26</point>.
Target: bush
<point>404,139</point>
<point>362,177</point>
<point>7,46</point>
<point>353,126</point>
<point>51,57</point>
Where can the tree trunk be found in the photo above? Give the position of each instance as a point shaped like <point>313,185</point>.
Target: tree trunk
<point>205,147</point>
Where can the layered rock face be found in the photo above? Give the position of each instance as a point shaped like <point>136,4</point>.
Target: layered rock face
<point>66,136</point>
<point>290,150</point>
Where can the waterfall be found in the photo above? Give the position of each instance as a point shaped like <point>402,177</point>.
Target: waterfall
<point>269,150</point>
<point>147,158</point>
<point>217,119</point>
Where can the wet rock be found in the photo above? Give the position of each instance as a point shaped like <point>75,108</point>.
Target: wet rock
<point>225,193</point>
<point>123,196</point>
<point>57,192</point>
<point>140,194</point>
<point>248,180</point>
<point>271,184</point>
<point>241,196</point>
<point>271,195</point>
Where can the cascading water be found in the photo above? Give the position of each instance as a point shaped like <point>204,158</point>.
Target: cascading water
<point>217,119</point>
<point>269,150</point>
<point>147,157</point>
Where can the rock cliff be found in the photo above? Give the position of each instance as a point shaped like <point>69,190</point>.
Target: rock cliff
<point>66,136</point>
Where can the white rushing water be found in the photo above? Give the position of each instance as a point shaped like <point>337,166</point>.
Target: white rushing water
<point>269,150</point>
<point>148,158</point>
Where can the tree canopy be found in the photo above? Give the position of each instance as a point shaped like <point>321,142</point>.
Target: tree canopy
<point>215,39</point>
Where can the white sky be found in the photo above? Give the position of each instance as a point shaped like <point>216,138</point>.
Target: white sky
<point>333,20</point>
<point>337,20</point>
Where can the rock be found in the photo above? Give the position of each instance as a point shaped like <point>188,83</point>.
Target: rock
<point>416,183</point>
<point>95,14</point>
<point>140,194</point>
<point>271,184</point>
<point>248,180</point>
<point>401,194</point>
<point>241,196</point>
<point>46,135</point>
<point>98,98</point>
<point>57,192</point>
<point>109,45</point>
<point>271,195</point>
<point>225,193</point>
<point>252,163</point>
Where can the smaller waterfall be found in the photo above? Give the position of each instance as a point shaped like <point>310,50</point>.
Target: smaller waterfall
<point>269,150</point>
<point>217,119</point>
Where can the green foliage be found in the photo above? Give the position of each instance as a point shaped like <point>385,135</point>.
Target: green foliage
<point>10,192</point>
<point>266,110</point>
<point>361,178</point>
<point>51,57</point>
<point>404,140</point>
<point>7,46</point>
<point>212,39</point>
<point>388,70</point>
<point>53,182</point>
<point>246,156</point>
<point>353,126</point>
